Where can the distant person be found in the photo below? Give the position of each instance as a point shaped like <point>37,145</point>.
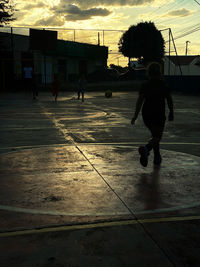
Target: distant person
<point>55,86</point>
<point>34,87</point>
<point>28,72</point>
<point>30,81</point>
<point>152,96</point>
<point>81,86</point>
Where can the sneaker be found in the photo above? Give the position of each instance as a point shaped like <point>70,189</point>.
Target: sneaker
<point>157,159</point>
<point>144,153</point>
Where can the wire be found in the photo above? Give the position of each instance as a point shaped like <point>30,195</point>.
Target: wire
<point>187,33</point>
<point>159,20</point>
<point>197,2</point>
<point>170,7</point>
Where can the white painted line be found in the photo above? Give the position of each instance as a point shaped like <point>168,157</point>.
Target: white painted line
<point>86,213</point>
<point>60,213</point>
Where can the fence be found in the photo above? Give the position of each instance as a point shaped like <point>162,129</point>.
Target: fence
<point>102,37</point>
<point>109,38</point>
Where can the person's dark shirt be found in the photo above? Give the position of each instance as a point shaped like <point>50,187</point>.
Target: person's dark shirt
<point>155,92</point>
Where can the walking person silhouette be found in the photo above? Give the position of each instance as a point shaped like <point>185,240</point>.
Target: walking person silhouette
<point>151,99</point>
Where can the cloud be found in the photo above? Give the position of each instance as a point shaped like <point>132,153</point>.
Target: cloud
<point>77,10</point>
<point>180,13</point>
<point>50,21</point>
<point>34,5</point>
<point>20,14</point>
<point>74,13</point>
<point>96,3</point>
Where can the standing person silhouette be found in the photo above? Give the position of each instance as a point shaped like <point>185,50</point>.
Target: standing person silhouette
<point>30,80</point>
<point>81,86</point>
<point>55,86</point>
<point>152,96</point>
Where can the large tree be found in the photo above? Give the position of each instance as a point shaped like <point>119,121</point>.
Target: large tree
<point>143,41</point>
<point>6,12</point>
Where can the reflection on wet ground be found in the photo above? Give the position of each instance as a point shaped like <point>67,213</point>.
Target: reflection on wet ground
<point>74,164</point>
<point>88,151</point>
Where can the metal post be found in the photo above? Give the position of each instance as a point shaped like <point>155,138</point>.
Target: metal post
<point>45,71</point>
<point>98,39</point>
<point>176,53</point>
<point>169,50</point>
<point>74,35</point>
<point>12,42</point>
<point>186,49</point>
<point>12,54</point>
<point>45,68</point>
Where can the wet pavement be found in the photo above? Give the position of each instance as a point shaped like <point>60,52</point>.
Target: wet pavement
<point>73,192</point>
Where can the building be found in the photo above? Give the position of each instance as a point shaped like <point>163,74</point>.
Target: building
<point>68,60</point>
<point>190,65</point>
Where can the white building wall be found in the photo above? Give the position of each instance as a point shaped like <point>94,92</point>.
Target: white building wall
<point>190,70</point>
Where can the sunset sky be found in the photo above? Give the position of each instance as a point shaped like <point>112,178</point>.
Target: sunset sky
<point>182,16</point>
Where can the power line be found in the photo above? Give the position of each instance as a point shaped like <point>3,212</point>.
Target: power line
<point>170,7</point>
<point>159,20</point>
<point>187,33</point>
<point>197,2</point>
<point>188,29</point>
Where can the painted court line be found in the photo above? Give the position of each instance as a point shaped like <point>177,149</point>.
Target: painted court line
<point>96,144</point>
<point>98,225</point>
<point>112,213</point>
<point>60,213</point>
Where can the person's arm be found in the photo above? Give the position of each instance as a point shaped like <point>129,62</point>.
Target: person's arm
<point>171,107</point>
<point>139,103</point>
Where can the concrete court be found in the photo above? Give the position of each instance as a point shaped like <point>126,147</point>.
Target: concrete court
<point>74,194</point>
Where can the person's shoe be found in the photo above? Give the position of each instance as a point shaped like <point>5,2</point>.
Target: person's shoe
<point>144,153</point>
<point>157,159</point>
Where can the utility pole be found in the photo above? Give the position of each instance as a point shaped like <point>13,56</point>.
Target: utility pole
<point>186,49</point>
<point>169,51</point>
<point>98,38</point>
<point>74,35</point>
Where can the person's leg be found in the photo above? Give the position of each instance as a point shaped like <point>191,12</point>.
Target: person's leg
<point>144,150</point>
<point>79,92</point>
<point>82,96</point>
<point>154,142</point>
<point>156,135</point>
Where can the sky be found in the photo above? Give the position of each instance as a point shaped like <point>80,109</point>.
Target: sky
<point>114,17</point>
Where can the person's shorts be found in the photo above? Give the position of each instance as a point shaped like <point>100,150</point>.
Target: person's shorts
<point>158,122</point>
<point>81,90</point>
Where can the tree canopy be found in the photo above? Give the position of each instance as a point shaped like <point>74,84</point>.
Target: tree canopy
<point>6,12</point>
<point>143,41</point>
